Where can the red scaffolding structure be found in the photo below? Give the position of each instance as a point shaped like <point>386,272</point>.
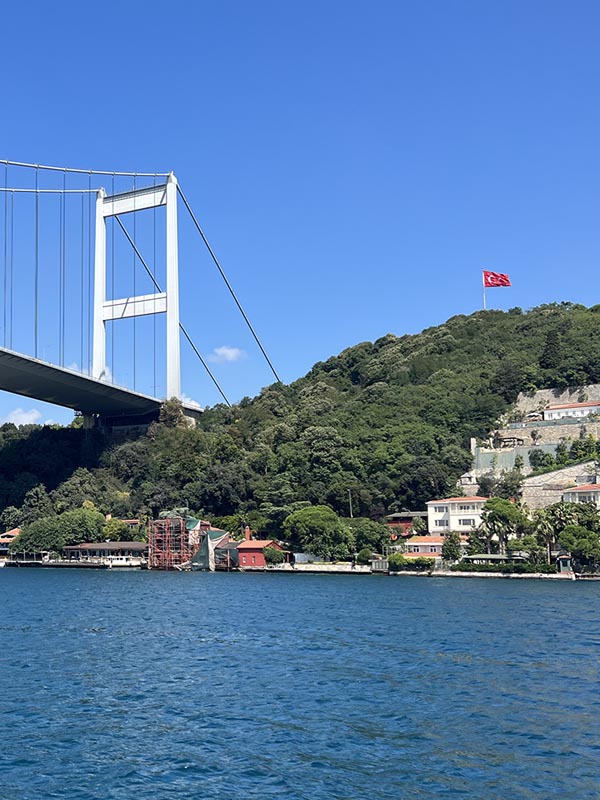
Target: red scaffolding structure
<point>169,545</point>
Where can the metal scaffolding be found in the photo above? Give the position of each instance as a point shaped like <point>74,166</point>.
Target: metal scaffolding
<point>169,544</point>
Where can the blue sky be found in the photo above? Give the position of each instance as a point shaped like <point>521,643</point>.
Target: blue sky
<point>355,165</point>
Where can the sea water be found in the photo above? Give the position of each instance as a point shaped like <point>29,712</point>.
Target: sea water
<point>143,685</point>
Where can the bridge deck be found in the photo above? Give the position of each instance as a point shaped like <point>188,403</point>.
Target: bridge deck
<point>37,379</point>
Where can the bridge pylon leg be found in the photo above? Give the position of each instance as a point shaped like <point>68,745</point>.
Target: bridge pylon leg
<point>157,303</point>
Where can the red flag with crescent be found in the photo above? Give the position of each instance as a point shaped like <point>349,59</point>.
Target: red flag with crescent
<point>491,280</point>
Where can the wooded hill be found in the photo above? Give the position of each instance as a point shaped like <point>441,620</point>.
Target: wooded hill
<point>388,421</point>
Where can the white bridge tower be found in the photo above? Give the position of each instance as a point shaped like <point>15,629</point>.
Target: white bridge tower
<point>162,302</point>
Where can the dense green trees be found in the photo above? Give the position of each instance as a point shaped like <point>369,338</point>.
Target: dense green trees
<point>451,549</point>
<point>501,520</point>
<point>319,530</point>
<point>54,532</point>
<point>389,421</point>
<point>583,543</point>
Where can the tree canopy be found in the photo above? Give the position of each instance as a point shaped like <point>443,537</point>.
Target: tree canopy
<point>386,424</point>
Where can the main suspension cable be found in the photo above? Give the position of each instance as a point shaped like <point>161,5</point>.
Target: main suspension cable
<point>48,191</point>
<point>181,327</point>
<point>84,171</point>
<point>229,286</point>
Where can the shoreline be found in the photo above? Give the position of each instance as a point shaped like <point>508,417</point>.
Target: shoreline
<point>343,568</point>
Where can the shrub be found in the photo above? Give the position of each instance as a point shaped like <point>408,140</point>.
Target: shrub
<point>274,556</point>
<point>515,568</point>
<point>398,563</point>
<point>364,556</point>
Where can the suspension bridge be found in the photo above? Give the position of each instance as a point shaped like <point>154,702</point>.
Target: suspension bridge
<point>84,253</point>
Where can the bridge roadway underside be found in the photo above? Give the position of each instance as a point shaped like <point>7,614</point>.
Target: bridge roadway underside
<point>37,379</point>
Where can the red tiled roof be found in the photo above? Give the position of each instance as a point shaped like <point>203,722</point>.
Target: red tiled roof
<point>425,540</point>
<point>421,555</point>
<point>257,544</point>
<point>588,487</point>
<point>571,405</point>
<point>430,539</point>
<point>457,500</point>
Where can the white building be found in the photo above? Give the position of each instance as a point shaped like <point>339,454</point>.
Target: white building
<point>588,493</point>
<point>573,410</point>
<point>459,514</point>
<point>427,546</point>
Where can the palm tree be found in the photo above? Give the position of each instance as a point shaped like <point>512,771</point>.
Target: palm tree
<point>543,530</point>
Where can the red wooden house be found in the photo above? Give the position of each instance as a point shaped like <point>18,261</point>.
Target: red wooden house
<point>252,552</point>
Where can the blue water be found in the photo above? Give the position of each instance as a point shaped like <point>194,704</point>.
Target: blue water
<point>152,685</point>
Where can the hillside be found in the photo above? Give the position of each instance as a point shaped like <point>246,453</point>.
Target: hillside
<point>388,421</point>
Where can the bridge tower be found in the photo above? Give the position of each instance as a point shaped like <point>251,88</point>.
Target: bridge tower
<point>160,302</point>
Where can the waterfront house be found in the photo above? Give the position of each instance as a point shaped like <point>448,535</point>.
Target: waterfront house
<point>401,523</point>
<point>460,514</point>
<point>251,552</point>
<point>588,493</point>
<point>6,540</point>
<point>123,554</point>
<point>571,410</point>
<point>541,491</point>
<point>205,556</point>
<point>427,546</point>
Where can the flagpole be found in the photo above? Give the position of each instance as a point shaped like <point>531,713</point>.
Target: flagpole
<point>483,282</point>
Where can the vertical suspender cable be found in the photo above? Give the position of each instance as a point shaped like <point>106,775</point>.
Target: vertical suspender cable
<point>89,307</point>
<point>5,298</point>
<point>134,239</point>
<point>63,247</point>
<point>154,315</point>
<point>112,283</point>
<point>11,271</point>
<point>61,199</point>
<point>62,363</point>
<point>81,326</point>
<point>37,264</point>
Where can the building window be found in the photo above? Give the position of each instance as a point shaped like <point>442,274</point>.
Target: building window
<point>466,508</point>
<point>441,509</point>
<point>441,523</point>
<point>468,522</point>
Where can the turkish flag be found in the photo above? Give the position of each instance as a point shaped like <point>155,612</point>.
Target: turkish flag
<point>494,279</point>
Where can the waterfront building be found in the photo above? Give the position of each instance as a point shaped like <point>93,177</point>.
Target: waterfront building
<point>460,514</point>
<point>573,410</point>
<point>541,491</point>
<point>401,523</point>
<point>427,546</point>
<point>115,554</point>
<point>6,540</point>
<point>252,552</point>
<point>588,493</point>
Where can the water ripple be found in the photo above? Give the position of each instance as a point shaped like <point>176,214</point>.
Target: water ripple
<point>158,686</point>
